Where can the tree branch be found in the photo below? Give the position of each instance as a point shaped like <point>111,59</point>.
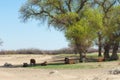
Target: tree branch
<point>110,6</point>
<point>51,16</point>
<point>59,7</point>
<point>81,5</point>
<point>107,8</point>
<point>69,5</point>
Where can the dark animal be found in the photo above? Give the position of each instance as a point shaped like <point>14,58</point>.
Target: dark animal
<point>66,60</point>
<point>69,61</point>
<point>44,63</point>
<point>32,62</point>
<point>25,64</point>
<point>8,65</point>
<point>100,59</point>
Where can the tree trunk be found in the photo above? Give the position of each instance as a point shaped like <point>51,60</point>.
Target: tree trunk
<point>79,51</point>
<point>114,55</point>
<point>81,57</point>
<point>100,45</point>
<point>100,51</point>
<point>106,51</point>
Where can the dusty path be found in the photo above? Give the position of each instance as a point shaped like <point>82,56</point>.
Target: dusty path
<point>42,74</point>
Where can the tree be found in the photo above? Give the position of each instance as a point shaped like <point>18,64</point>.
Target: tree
<point>106,8</point>
<point>110,20</point>
<point>61,14</point>
<point>115,33</point>
<point>83,33</point>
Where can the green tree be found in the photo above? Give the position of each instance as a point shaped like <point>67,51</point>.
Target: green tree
<point>115,31</point>
<point>110,20</point>
<point>83,32</point>
<point>61,14</point>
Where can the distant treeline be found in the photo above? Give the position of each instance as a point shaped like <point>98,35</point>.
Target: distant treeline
<point>37,51</point>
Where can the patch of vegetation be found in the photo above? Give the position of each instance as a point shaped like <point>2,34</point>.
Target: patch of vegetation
<point>87,65</point>
<point>88,55</point>
<point>69,66</point>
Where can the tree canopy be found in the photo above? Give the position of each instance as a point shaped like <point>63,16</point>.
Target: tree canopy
<point>59,13</point>
<point>83,32</point>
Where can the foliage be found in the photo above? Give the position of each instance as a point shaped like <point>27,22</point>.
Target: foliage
<point>115,23</point>
<point>53,10</point>
<point>84,32</point>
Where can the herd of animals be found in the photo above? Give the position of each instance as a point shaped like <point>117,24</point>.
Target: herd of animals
<point>33,62</point>
<point>45,63</point>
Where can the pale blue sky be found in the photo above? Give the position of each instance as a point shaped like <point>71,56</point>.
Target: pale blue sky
<point>33,34</point>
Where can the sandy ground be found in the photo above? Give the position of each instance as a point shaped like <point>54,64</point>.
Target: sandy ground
<point>20,59</point>
<point>49,74</point>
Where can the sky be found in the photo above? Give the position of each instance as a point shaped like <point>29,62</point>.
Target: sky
<point>33,34</point>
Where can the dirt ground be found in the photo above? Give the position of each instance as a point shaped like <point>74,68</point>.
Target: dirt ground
<point>20,73</point>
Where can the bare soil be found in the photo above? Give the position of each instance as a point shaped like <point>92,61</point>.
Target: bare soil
<point>20,73</point>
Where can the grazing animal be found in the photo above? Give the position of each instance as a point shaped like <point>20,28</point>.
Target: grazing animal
<point>69,61</point>
<point>25,64</point>
<point>8,65</point>
<point>100,59</point>
<point>44,63</point>
<point>66,60</point>
<point>32,62</point>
